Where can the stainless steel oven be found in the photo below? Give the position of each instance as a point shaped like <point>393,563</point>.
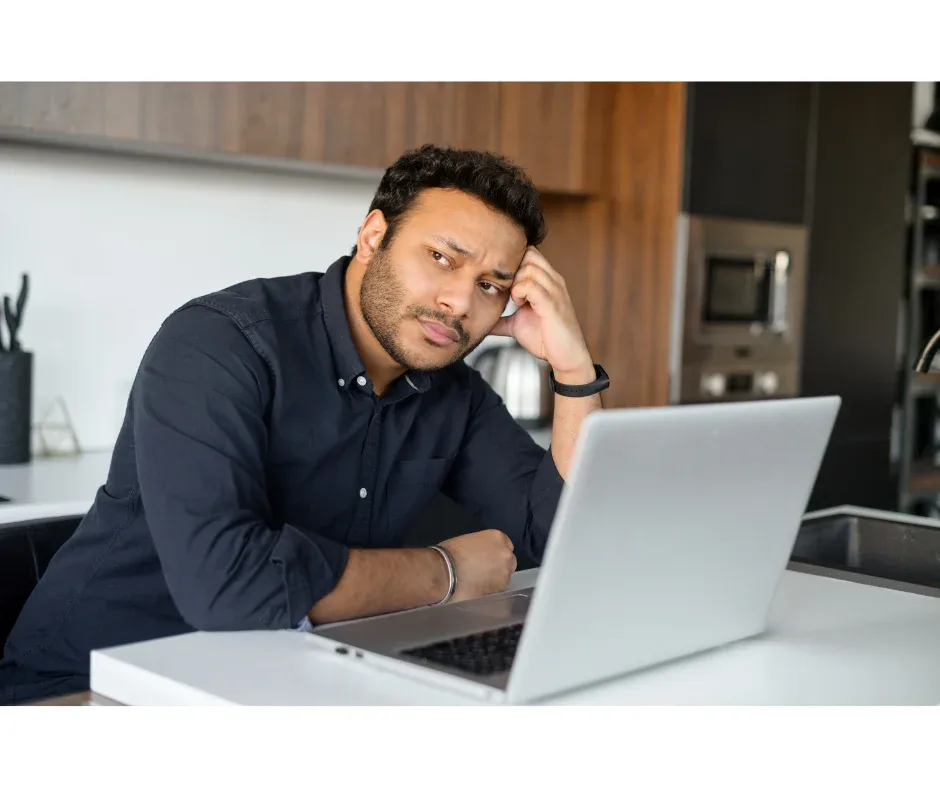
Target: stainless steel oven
<point>738,311</point>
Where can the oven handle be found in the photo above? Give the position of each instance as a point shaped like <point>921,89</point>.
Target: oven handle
<point>778,300</point>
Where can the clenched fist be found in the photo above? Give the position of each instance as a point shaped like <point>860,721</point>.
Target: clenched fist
<point>484,563</point>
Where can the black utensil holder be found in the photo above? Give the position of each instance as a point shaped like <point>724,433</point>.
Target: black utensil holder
<point>16,406</point>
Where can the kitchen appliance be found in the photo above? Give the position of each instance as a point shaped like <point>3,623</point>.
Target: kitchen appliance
<point>521,380</point>
<point>738,310</point>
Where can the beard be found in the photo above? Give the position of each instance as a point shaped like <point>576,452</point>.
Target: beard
<point>383,297</point>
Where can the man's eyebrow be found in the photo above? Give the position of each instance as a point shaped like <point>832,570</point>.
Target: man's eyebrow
<point>502,275</point>
<point>453,245</point>
<point>458,249</point>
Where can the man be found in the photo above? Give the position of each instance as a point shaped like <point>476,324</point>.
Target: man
<point>281,435</point>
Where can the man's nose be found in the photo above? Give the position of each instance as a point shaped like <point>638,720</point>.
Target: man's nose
<point>455,297</point>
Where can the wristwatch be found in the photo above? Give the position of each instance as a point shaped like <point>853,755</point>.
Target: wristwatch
<point>585,389</point>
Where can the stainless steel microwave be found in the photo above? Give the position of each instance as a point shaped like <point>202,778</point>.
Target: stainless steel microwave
<point>746,290</point>
<point>738,316</point>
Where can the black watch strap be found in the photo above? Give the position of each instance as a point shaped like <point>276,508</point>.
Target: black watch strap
<point>585,389</point>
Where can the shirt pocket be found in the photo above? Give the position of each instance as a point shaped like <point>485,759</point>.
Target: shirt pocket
<point>412,485</point>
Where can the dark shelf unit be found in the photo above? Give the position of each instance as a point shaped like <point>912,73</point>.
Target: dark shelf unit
<point>918,461</point>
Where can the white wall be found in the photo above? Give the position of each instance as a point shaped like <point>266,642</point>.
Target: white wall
<point>113,244</point>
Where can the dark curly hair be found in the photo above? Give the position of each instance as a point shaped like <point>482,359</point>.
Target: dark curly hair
<point>493,179</point>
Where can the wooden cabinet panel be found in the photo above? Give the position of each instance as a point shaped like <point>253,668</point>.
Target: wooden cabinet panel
<point>551,129</point>
<point>58,107</point>
<point>86,109</point>
<point>453,114</point>
<point>430,114</point>
<point>313,126</point>
<point>261,118</point>
<point>477,115</point>
<point>179,114</point>
<point>355,123</point>
<point>646,190</point>
<point>121,111</point>
<point>544,128</point>
<point>577,246</point>
<point>616,251</point>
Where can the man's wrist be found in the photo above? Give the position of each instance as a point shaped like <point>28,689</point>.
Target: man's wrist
<point>440,576</point>
<point>449,565</point>
<point>577,376</point>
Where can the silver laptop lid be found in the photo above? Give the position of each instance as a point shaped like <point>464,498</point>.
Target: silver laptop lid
<point>670,538</point>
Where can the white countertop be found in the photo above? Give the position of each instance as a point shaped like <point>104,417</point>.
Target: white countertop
<point>829,642</point>
<point>52,487</point>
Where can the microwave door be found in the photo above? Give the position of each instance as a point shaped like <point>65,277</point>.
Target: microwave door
<point>737,291</point>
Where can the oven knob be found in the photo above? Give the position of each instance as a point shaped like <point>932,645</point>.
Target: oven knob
<point>713,384</point>
<point>767,383</point>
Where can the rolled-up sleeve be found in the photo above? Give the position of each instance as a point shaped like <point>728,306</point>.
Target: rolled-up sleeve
<point>502,476</point>
<point>199,404</point>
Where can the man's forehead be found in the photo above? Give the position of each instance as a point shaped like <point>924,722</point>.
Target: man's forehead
<point>470,224</point>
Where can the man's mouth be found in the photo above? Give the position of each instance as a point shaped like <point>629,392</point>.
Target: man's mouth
<point>438,333</point>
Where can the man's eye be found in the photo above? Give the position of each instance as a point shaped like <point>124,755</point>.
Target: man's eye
<point>490,289</point>
<point>439,258</point>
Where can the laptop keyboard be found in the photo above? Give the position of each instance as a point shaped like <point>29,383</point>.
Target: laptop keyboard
<point>482,654</point>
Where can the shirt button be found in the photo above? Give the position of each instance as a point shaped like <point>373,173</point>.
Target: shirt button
<point>362,492</point>
<point>341,382</point>
<point>361,380</point>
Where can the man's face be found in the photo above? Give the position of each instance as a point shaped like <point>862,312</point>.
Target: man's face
<point>435,293</point>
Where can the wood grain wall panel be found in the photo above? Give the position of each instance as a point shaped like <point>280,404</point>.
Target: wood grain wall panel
<point>122,111</point>
<point>10,99</point>
<point>360,123</point>
<point>477,115</point>
<point>261,118</point>
<point>598,137</point>
<point>179,114</point>
<point>57,107</point>
<point>646,167</point>
<point>544,129</point>
<point>313,123</point>
<point>577,246</point>
<point>430,114</point>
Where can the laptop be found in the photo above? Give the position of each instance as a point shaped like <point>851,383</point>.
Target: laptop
<point>671,535</point>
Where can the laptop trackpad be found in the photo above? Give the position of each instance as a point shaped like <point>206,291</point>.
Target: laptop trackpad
<point>510,607</point>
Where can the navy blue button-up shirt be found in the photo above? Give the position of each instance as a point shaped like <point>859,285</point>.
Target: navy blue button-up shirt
<point>253,454</point>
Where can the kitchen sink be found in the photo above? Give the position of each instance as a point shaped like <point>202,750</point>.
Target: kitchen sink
<point>872,547</point>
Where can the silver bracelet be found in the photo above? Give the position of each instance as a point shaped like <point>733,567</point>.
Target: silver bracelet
<point>451,573</point>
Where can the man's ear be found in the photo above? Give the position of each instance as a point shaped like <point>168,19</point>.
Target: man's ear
<point>370,235</point>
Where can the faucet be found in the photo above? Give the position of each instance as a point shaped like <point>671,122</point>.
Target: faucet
<point>927,356</point>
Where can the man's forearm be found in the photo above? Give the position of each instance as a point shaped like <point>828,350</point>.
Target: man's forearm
<point>383,581</point>
<point>569,413</point>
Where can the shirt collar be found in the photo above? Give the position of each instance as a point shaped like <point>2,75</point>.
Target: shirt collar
<point>347,362</point>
